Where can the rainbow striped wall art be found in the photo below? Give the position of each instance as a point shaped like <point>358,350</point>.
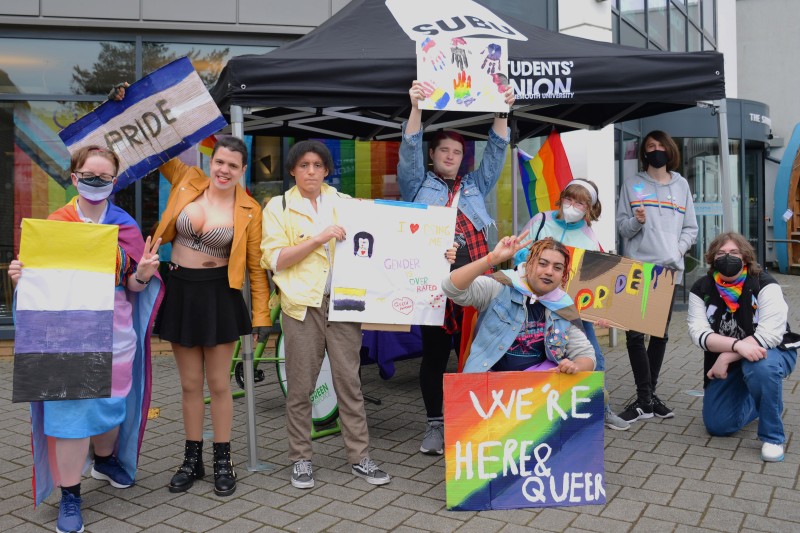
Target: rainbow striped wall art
<point>523,439</point>
<point>64,311</point>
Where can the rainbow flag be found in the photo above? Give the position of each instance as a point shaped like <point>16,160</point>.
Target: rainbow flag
<point>65,311</point>
<point>523,439</point>
<point>545,175</point>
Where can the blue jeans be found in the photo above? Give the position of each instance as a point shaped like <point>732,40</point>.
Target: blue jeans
<point>600,366</point>
<point>751,390</point>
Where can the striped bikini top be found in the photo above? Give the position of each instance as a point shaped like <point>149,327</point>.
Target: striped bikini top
<point>214,242</point>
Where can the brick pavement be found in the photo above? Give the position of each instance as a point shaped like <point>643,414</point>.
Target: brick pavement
<point>662,475</point>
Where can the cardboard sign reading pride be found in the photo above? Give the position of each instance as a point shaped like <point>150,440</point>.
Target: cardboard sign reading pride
<point>523,439</point>
<point>630,294</point>
<point>390,268</point>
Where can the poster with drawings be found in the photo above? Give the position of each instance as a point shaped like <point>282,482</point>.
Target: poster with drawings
<point>463,73</point>
<point>390,268</point>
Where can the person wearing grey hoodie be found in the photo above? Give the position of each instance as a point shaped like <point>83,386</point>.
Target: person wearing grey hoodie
<point>656,220</point>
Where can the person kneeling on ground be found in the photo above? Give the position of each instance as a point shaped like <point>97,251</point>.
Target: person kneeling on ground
<point>550,334</point>
<point>738,315</point>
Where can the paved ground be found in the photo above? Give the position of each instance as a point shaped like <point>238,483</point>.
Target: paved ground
<point>662,475</point>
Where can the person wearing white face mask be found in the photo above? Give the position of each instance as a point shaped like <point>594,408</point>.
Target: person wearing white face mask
<point>571,224</point>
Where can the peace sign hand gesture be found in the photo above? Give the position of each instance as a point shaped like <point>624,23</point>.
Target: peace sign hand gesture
<point>148,264</point>
<point>508,246</point>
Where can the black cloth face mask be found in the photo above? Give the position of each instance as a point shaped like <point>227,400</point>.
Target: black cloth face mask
<point>656,158</point>
<point>728,265</point>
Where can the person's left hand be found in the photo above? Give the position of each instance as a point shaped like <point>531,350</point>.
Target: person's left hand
<point>450,254</point>
<point>117,92</point>
<point>149,262</point>
<point>602,323</point>
<point>565,366</point>
<point>509,97</point>
<point>719,370</point>
<point>261,334</point>
<point>15,270</point>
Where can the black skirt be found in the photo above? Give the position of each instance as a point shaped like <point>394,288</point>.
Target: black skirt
<point>200,309</point>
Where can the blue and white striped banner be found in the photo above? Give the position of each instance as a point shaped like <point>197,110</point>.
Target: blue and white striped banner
<point>162,115</point>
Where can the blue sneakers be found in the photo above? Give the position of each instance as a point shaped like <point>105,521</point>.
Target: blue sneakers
<point>112,472</point>
<point>69,514</point>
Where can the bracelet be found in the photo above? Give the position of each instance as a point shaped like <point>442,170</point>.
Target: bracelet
<point>733,346</point>
<point>140,281</point>
<point>501,115</point>
<point>489,260</point>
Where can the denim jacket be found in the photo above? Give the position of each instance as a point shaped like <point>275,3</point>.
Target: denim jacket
<point>502,314</point>
<point>418,186</point>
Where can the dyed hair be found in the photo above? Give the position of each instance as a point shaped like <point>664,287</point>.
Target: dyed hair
<point>82,154</point>
<point>299,149</point>
<point>234,144</point>
<point>745,248</point>
<point>582,195</point>
<point>673,154</point>
<point>447,134</point>
<point>548,243</point>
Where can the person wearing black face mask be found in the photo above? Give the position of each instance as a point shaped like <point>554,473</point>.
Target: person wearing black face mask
<point>738,316</point>
<point>656,220</point>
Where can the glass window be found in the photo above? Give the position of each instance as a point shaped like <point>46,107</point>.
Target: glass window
<point>633,12</point>
<point>52,66</point>
<point>708,45</point>
<point>537,12</point>
<point>693,9</point>
<point>631,36</point>
<point>708,16</point>
<point>695,39</point>
<point>657,22</point>
<point>677,30</point>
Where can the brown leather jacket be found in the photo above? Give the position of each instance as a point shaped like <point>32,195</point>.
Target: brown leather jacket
<point>187,184</point>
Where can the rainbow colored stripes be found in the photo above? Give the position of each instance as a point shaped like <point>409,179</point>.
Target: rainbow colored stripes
<point>545,175</point>
<point>658,204</point>
<point>523,439</point>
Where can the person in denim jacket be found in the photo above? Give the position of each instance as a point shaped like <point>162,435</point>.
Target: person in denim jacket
<point>444,186</point>
<point>527,321</point>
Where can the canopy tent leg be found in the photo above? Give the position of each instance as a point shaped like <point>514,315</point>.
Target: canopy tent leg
<point>724,165</point>
<point>253,465</point>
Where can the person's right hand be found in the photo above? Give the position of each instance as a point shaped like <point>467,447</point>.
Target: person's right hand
<point>719,370</point>
<point>750,351</point>
<point>118,91</point>
<point>508,246</point>
<point>331,232</point>
<point>15,270</point>
<point>419,91</point>
<point>638,212</point>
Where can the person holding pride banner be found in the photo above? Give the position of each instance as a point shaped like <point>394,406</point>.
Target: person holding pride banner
<point>114,426</point>
<point>571,224</point>
<point>549,333</point>
<point>298,245</point>
<point>655,217</point>
<point>443,186</point>
<point>738,316</point>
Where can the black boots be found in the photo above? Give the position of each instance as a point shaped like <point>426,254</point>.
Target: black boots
<point>224,476</point>
<point>192,467</point>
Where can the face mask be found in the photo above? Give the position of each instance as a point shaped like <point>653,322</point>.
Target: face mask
<point>572,213</point>
<point>656,158</point>
<point>95,189</point>
<point>728,265</point>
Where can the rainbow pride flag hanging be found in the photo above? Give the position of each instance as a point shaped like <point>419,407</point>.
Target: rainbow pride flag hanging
<point>64,311</point>
<point>544,175</point>
<point>523,439</point>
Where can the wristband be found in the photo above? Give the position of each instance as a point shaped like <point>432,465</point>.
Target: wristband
<point>733,346</point>
<point>501,115</point>
<point>489,260</point>
<point>140,281</point>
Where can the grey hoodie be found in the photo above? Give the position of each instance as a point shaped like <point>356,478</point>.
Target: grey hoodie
<point>670,227</point>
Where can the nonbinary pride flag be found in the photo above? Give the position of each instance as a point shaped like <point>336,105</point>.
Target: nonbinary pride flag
<point>545,175</point>
<point>162,115</point>
<point>64,311</point>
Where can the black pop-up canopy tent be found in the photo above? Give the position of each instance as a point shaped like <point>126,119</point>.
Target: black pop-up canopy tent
<point>349,78</point>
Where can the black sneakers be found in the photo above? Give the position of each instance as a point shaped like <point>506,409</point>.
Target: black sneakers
<point>638,410</point>
<point>660,409</point>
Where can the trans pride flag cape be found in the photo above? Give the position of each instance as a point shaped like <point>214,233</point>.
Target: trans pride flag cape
<point>544,175</point>
<point>145,304</point>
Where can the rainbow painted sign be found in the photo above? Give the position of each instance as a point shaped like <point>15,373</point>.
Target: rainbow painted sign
<point>630,294</point>
<point>523,439</point>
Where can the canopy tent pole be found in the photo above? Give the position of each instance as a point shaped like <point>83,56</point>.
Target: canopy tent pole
<point>246,350</point>
<point>724,165</point>
<point>512,121</point>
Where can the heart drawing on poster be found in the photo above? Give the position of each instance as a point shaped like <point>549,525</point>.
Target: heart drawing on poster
<point>403,305</point>
<point>414,228</point>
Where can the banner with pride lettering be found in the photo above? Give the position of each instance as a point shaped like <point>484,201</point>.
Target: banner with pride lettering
<point>630,294</point>
<point>523,439</point>
<point>162,115</point>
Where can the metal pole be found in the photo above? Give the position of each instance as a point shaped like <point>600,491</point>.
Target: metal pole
<point>724,166</point>
<point>514,192</point>
<point>253,465</point>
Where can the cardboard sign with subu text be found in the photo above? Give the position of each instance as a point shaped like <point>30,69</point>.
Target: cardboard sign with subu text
<point>162,115</point>
<point>523,439</point>
<point>630,294</point>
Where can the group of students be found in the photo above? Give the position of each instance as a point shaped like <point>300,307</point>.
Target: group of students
<point>218,233</point>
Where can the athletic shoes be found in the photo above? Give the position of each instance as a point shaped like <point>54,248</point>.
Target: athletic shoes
<point>69,514</point>
<point>112,472</point>
<point>433,442</point>
<point>614,422</point>
<point>772,453</point>
<point>302,475</point>
<point>660,409</point>
<point>638,410</point>
<point>368,470</point>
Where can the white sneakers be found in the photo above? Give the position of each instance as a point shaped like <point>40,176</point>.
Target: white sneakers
<point>771,453</point>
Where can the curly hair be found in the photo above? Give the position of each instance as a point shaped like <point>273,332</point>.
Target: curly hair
<point>548,243</point>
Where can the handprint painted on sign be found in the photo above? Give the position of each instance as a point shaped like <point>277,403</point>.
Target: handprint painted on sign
<point>492,62</point>
<point>433,54</point>
<point>439,97</point>
<point>459,54</point>
<point>501,80</point>
<point>461,89</point>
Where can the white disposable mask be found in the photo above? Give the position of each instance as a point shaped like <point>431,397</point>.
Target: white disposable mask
<point>572,213</point>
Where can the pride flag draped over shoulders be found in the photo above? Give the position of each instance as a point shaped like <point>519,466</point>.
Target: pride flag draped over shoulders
<point>544,175</point>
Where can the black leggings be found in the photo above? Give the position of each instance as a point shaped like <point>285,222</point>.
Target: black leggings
<point>436,347</point>
<point>646,363</point>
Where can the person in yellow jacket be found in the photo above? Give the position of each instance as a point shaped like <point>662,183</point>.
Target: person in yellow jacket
<point>300,232</point>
